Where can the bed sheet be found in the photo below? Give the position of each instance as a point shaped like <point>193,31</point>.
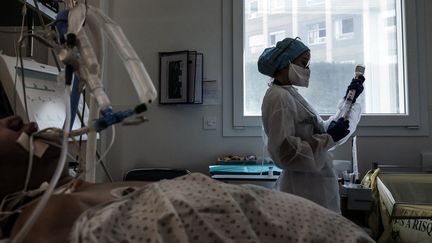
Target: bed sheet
<point>55,223</point>
<point>196,208</point>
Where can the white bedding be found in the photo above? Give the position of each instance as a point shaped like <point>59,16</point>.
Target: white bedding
<point>196,208</point>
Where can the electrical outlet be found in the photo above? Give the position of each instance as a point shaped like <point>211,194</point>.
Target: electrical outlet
<point>209,123</point>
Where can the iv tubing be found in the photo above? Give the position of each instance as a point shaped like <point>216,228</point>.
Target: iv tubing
<point>44,199</point>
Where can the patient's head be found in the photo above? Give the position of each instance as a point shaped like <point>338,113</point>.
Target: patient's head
<point>14,159</point>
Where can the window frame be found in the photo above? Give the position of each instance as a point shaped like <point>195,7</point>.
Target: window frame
<point>278,7</point>
<point>339,29</point>
<point>259,37</point>
<point>315,30</point>
<point>257,13</point>
<point>414,124</point>
<point>314,2</point>
<point>275,33</point>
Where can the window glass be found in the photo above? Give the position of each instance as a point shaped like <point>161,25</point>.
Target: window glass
<point>256,43</point>
<point>252,9</point>
<point>374,40</point>
<point>314,2</point>
<point>347,26</point>
<point>276,36</point>
<point>316,33</point>
<point>277,6</point>
<point>344,28</point>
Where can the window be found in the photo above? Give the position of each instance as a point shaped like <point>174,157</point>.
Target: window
<point>391,101</point>
<point>277,6</point>
<point>345,28</point>
<point>316,33</point>
<point>256,43</point>
<point>276,36</point>
<point>252,8</point>
<point>314,2</point>
<point>391,21</point>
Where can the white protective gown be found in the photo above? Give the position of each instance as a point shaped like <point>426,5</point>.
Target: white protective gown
<point>298,144</point>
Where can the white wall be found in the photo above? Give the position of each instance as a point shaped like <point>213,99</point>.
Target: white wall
<point>174,137</point>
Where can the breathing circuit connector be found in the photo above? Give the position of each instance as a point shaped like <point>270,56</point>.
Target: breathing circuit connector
<point>140,108</point>
<point>71,40</point>
<point>108,118</point>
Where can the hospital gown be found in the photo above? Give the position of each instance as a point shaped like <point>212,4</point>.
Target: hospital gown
<point>196,208</point>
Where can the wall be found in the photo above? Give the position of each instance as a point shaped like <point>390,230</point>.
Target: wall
<point>8,38</point>
<point>174,136</point>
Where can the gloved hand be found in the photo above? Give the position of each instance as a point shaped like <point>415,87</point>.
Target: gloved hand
<point>357,85</point>
<point>338,129</point>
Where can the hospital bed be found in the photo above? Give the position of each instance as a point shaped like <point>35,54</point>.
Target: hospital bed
<point>191,208</point>
<point>403,204</point>
<point>222,211</point>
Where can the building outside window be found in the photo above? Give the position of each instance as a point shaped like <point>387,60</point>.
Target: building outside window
<point>252,10</point>
<point>345,28</point>
<point>314,2</point>
<point>277,6</point>
<point>316,33</point>
<point>276,36</point>
<point>256,43</point>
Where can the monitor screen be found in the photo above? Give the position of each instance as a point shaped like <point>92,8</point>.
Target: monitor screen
<point>49,8</point>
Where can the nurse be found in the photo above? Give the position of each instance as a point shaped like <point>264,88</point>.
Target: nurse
<point>298,140</point>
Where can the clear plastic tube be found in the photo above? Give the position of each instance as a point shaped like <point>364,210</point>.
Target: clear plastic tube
<point>89,70</point>
<point>61,163</point>
<point>137,72</point>
<point>76,18</point>
<point>87,53</point>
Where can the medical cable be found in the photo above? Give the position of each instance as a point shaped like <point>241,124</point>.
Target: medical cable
<point>46,29</point>
<point>30,165</point>
<point>113,135</point>
<point>42,40</point>
<point>78,157</point>
<point>19,31</point>
<point>44,199</point>
<point>6,212</point>
<point>18,51</point>
<point>19,196</point>
<point>105,169</point>
<point>40,15</point>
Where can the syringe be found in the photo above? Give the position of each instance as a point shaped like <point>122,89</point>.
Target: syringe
<point>346,108</point>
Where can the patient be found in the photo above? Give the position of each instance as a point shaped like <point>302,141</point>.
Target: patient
<point>62,209</point>
<point>14,158</point>
<point>192,208</point>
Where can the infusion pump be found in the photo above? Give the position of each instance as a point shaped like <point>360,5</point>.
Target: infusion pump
<point>45,97</point>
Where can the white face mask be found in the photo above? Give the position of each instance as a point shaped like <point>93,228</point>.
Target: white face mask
<point>299,76</point>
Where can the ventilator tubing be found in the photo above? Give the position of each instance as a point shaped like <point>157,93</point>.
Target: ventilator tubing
<point>89,71</point>
<point>137,72</point>
<point>87,53</point>
<point>76,18</point>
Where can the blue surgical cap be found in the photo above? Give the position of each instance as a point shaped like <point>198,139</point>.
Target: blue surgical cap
<point>277,58</point>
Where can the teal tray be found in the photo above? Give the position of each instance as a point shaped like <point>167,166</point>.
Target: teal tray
<point>243,169</point>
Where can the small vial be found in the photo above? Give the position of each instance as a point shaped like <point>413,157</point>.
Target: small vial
<point>270,171</point>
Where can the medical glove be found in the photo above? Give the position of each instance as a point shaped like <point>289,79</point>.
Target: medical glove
<point>338,129</point>
<point>357,85</point>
